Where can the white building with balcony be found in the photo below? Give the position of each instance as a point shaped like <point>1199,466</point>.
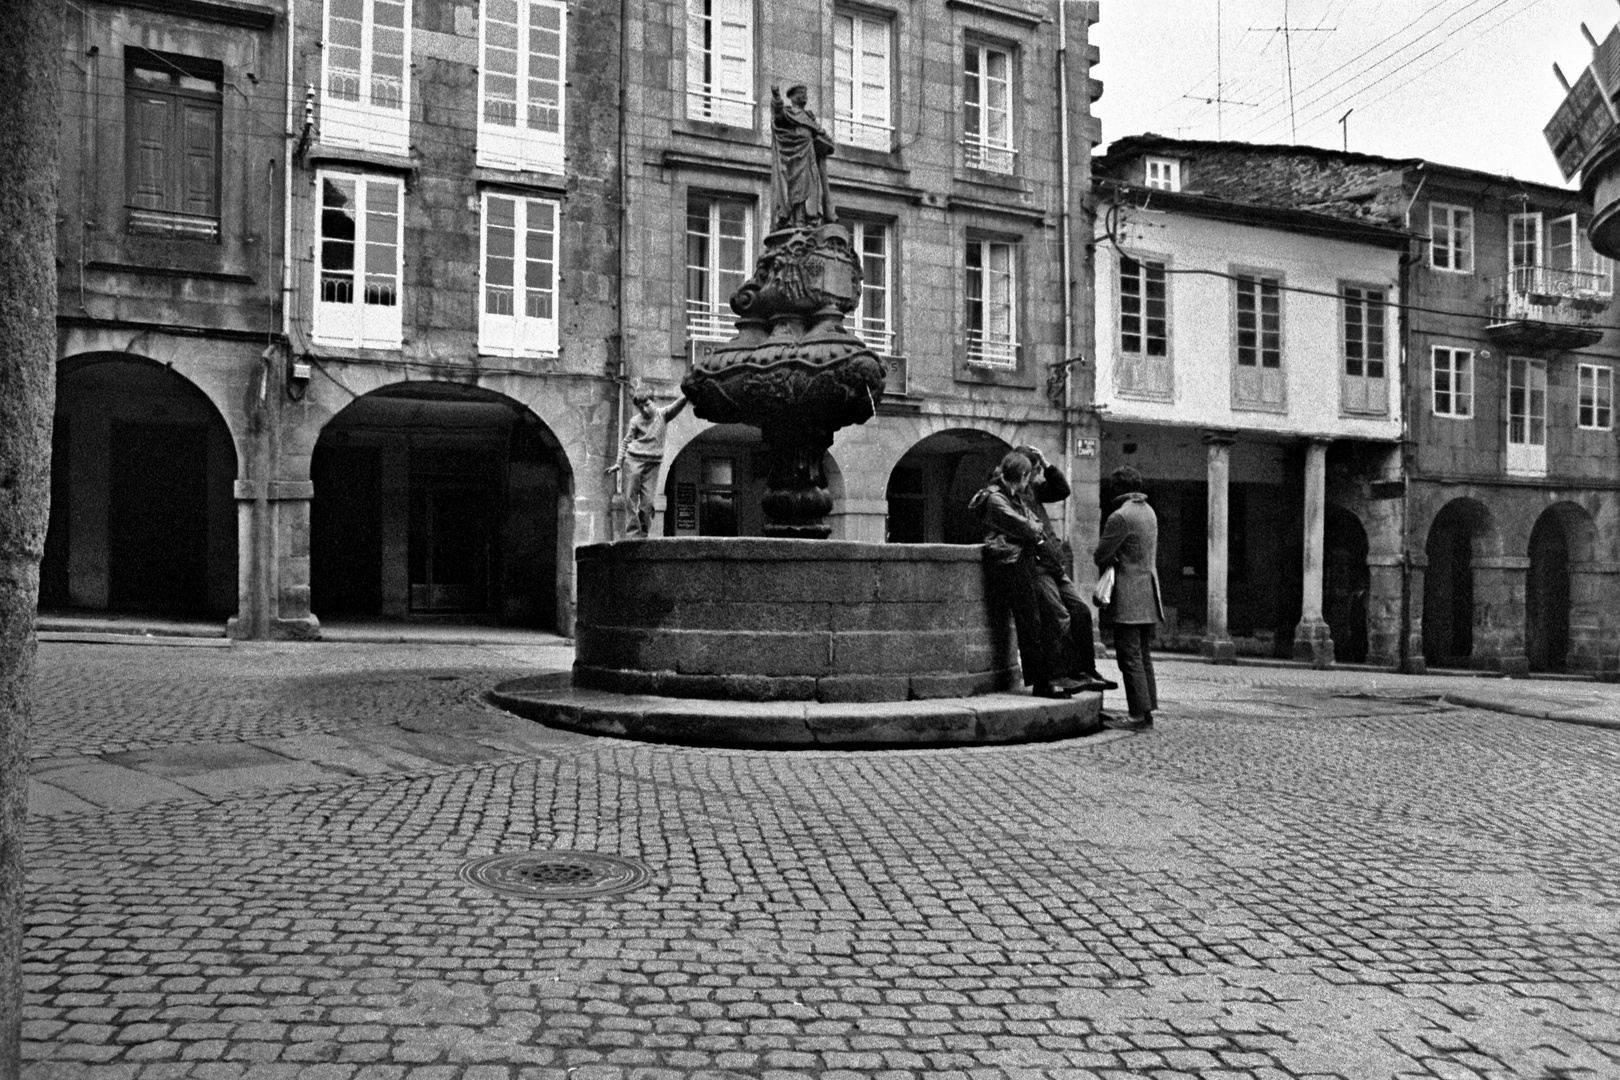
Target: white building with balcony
<point>1248,365</point>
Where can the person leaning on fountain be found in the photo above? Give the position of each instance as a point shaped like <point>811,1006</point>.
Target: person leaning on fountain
<point>1012,550</point>
<point>641,455</point>
<point>1078,665</point>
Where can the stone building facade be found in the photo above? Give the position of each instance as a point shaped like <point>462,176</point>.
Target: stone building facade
<point>1493,544</point>
<point>355,290</point>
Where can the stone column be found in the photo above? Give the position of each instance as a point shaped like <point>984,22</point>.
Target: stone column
<point>1312,640</point>
<point>1415,663</point>
<point>273,561</point>
<point>1384,610</point>
<point>1591,592</point>
<point>1217,643</point>
<point>1499,613</point>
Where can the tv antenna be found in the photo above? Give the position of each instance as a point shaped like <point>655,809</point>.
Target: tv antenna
<point>1288,30</point>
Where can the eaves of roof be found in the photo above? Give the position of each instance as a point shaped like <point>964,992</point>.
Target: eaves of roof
<point>1267,217</point>
<point>1130,146</point>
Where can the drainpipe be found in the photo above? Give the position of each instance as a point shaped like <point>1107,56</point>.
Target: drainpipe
<point>1403,649</point>
<point>624,242</point>
<point>1067,254</point>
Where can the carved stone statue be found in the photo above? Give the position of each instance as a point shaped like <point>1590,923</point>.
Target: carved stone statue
<point>794,370</point>
<point>799,194</point>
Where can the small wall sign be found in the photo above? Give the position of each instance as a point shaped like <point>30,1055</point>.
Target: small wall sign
<point>1085,447</point>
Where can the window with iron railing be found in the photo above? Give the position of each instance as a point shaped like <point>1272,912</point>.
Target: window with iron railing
<point>719,237</point>
<point>521,100</point>
<point>862,79</point>
<point>366,99</point>
<point>358,261</point>
<point>873,320</point>
<point>172,165</point>
<point>987,117</point>
<point>720,61</point>
<point>992,304</point>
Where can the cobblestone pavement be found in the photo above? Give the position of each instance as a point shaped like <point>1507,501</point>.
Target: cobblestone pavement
<point>1294,874</point>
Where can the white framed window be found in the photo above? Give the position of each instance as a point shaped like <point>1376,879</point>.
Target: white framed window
<point>1569,249</point>
<point>720,61</point>
<point>991,290</point>
<point>1451,238</point>
<point>987,119</point>
<point>719,237</point>
<point>1164,173</point>
<point>1364,381</point>
<point>875,318</point>
<point>358,262</point>
<point>521,104</point>
<point>365,100</point>
<point>1525,257</point>
<point>862,50</point>
<point>1596,386</point>
<point>1143,365</point>
<point>1452,379</point>
<point>1257,342</point>
<point>1527,416</point>
<point>518,316</point>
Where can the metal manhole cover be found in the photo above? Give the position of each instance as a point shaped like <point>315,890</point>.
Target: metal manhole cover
<point>557,875</point>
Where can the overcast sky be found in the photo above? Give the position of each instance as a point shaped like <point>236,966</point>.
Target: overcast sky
<point>1459,82</point>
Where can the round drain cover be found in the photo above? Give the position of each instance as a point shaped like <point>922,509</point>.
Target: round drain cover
<point>556,875</point>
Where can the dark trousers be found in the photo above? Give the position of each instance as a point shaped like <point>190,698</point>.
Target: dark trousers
<point>1039,621</point>
<point>1077,656</point>
<point>1131,649</point>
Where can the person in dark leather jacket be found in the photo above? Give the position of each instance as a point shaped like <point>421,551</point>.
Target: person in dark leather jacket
<point>1077,665</point>
<point>1014,538</point>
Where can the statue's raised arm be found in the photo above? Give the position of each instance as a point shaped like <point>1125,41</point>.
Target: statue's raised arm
<point>799,194</point>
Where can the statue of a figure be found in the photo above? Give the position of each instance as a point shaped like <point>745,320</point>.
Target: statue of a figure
<point>799,193</point>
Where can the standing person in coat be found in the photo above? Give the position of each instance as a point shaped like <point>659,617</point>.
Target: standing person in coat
<point>1130,544</point>
<point>1078,662</point>
<point>641,455</point>
<point>1012,543</point>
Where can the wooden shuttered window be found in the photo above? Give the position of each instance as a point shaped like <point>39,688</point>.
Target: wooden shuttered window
<point>172,108</point>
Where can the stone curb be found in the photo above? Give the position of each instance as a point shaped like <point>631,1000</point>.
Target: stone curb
<point>1468,701</point>
<point>988,719</point>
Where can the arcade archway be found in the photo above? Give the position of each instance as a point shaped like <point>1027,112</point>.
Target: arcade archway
<point>1345,583</point>
<point>931,484</point>
<point>713,487</point>
<point>440,501</point>
<point>143,515</point>
<point>1458,533</point>
<point>1564,537</point>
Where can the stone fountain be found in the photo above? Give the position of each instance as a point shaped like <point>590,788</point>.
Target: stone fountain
<point>793,639</point>
<point>794,370</point>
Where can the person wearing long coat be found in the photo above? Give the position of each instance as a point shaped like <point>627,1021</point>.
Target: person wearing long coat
<point>1130,544</point>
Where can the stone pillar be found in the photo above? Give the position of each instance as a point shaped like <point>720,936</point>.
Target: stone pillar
<point>1217,643</point>
<point>1499,613</point>
<point>273,561</point>
<point>1312,640</point>
<point>1415,663</point>
<point>1384,610</point>
<point>394,507</point>
<point>1591,598</point>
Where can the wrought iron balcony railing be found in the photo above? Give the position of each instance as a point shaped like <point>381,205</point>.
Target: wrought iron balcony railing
<point>1550,294</point>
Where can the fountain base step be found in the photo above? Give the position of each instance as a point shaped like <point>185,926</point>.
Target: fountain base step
<point>985,719</point>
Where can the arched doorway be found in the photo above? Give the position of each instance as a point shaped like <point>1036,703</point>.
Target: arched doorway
<point>1564,536</point>
<point>715,484</point>
<point>143,515</point>
<point>1345,583</point>
<point>930,486</point>
<point>1455,536</point>
<point>440,501</point>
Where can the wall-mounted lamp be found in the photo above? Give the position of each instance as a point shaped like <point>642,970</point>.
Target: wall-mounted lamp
<point>298,373</point>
